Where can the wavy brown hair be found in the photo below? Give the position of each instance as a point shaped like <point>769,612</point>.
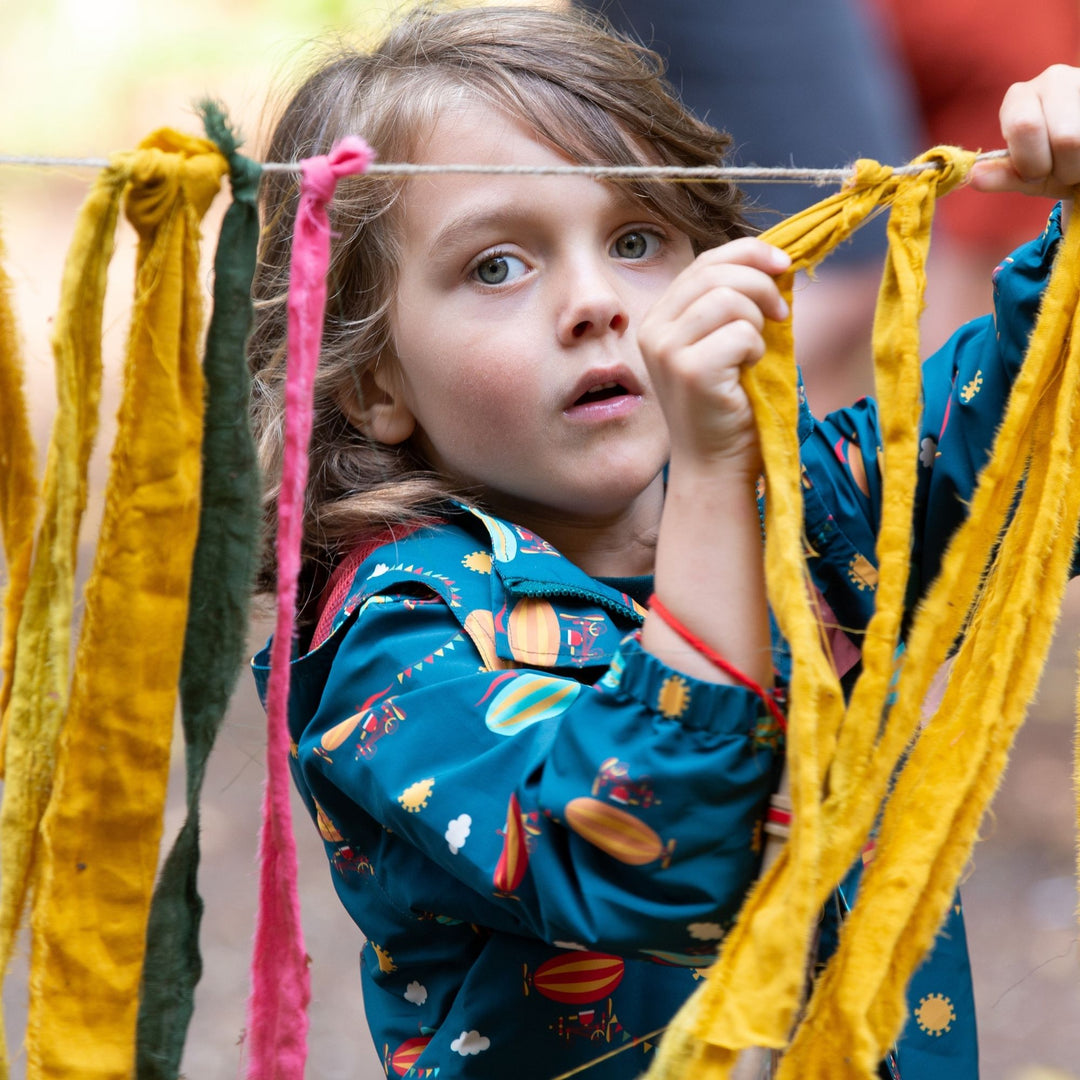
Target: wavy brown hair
<point>598,97</point>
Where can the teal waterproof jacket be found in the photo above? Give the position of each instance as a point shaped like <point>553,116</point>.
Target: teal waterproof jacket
<point>542,831</point>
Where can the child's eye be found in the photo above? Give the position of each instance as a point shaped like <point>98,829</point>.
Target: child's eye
<point>636,244</point>
<point>498,269</point>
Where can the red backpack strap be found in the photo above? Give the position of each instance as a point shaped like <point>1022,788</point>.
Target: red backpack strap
<point>340,583</point>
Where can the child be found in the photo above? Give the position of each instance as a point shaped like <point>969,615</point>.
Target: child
<point>540,805</point>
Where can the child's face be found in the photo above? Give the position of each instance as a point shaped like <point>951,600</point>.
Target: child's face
<point>515,326</point>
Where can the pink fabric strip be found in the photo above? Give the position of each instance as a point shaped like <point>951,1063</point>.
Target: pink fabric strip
<point>280,987</point>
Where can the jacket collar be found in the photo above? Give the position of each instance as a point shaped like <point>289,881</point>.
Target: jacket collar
<point>529,566</point>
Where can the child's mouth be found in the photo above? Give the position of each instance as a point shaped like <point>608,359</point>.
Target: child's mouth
<point>601,393</point>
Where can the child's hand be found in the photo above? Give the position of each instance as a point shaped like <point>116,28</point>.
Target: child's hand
<point>1040,121</point>
<point>697,338</point>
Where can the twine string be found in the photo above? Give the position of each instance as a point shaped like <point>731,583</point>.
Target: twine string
<point>746,174</point>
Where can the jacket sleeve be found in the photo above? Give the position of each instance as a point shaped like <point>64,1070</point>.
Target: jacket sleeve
<point>623,815</point>
<point>966,387</point>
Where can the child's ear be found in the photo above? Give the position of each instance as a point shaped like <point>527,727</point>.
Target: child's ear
<point>376,405</point>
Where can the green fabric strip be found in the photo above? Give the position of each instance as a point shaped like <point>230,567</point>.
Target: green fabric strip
<point>215,639</point>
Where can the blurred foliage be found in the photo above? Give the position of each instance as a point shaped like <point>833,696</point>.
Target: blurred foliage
<point>92,76</point>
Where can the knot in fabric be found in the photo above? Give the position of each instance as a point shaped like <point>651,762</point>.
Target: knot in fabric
<point>244,174</point>
<point>869,173</point>
<point>155,180</point>
<point>953,165</point>
<point>320,174</point>
<point>810,236</point>
<point>165,166</point>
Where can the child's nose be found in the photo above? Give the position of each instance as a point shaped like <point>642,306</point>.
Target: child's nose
<point>593,307</point>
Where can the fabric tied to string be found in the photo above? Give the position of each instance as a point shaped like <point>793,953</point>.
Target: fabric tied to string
<point>101,829</point>
<point>39,684</point>
<point>1000,586</point>
<point>216,637</point>
<point>842,758</point>
<point>280,989</point>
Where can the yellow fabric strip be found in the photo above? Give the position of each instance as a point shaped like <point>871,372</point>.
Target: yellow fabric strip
<point>861,766</point>
<point>752,995</point>
<point>18,510</point>
<point>101,831</point>
<point>930,821</point>
<point>42,637</point>
<point>18,491</point>
<point>1000,587</point>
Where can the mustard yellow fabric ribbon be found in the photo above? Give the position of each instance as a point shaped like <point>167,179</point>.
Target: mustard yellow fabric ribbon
<point>18,489</point>
<point>18,510</point>
<point>1006,605</point>
<point>839,767</point>
<point>101,829</point>
<point>41,629</point>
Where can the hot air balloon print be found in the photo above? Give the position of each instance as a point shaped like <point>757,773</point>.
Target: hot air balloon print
<point>528,698</point>
<point>503,540</point>
<point>514,860</point>
<point>406,1055</point>
<point>327,829</point>
<point>533,631</point>
<point>577,978</point>
<point>616,832</point>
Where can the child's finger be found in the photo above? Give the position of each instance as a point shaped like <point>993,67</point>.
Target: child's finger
<point>1040,121</point>
<point>1023,123</point>
<point>703,316</point>
<point>746,265</point>
<point>999,174</point>
<point>750,251</point>
<point>746,251</point>
<point>739,341</point>
<point>742,286</point>
<point>1062,113</point>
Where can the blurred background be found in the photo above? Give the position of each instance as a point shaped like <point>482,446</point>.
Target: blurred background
<point>86,78</point>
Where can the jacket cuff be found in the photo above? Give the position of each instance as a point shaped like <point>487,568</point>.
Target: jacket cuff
<point>716,708</point>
